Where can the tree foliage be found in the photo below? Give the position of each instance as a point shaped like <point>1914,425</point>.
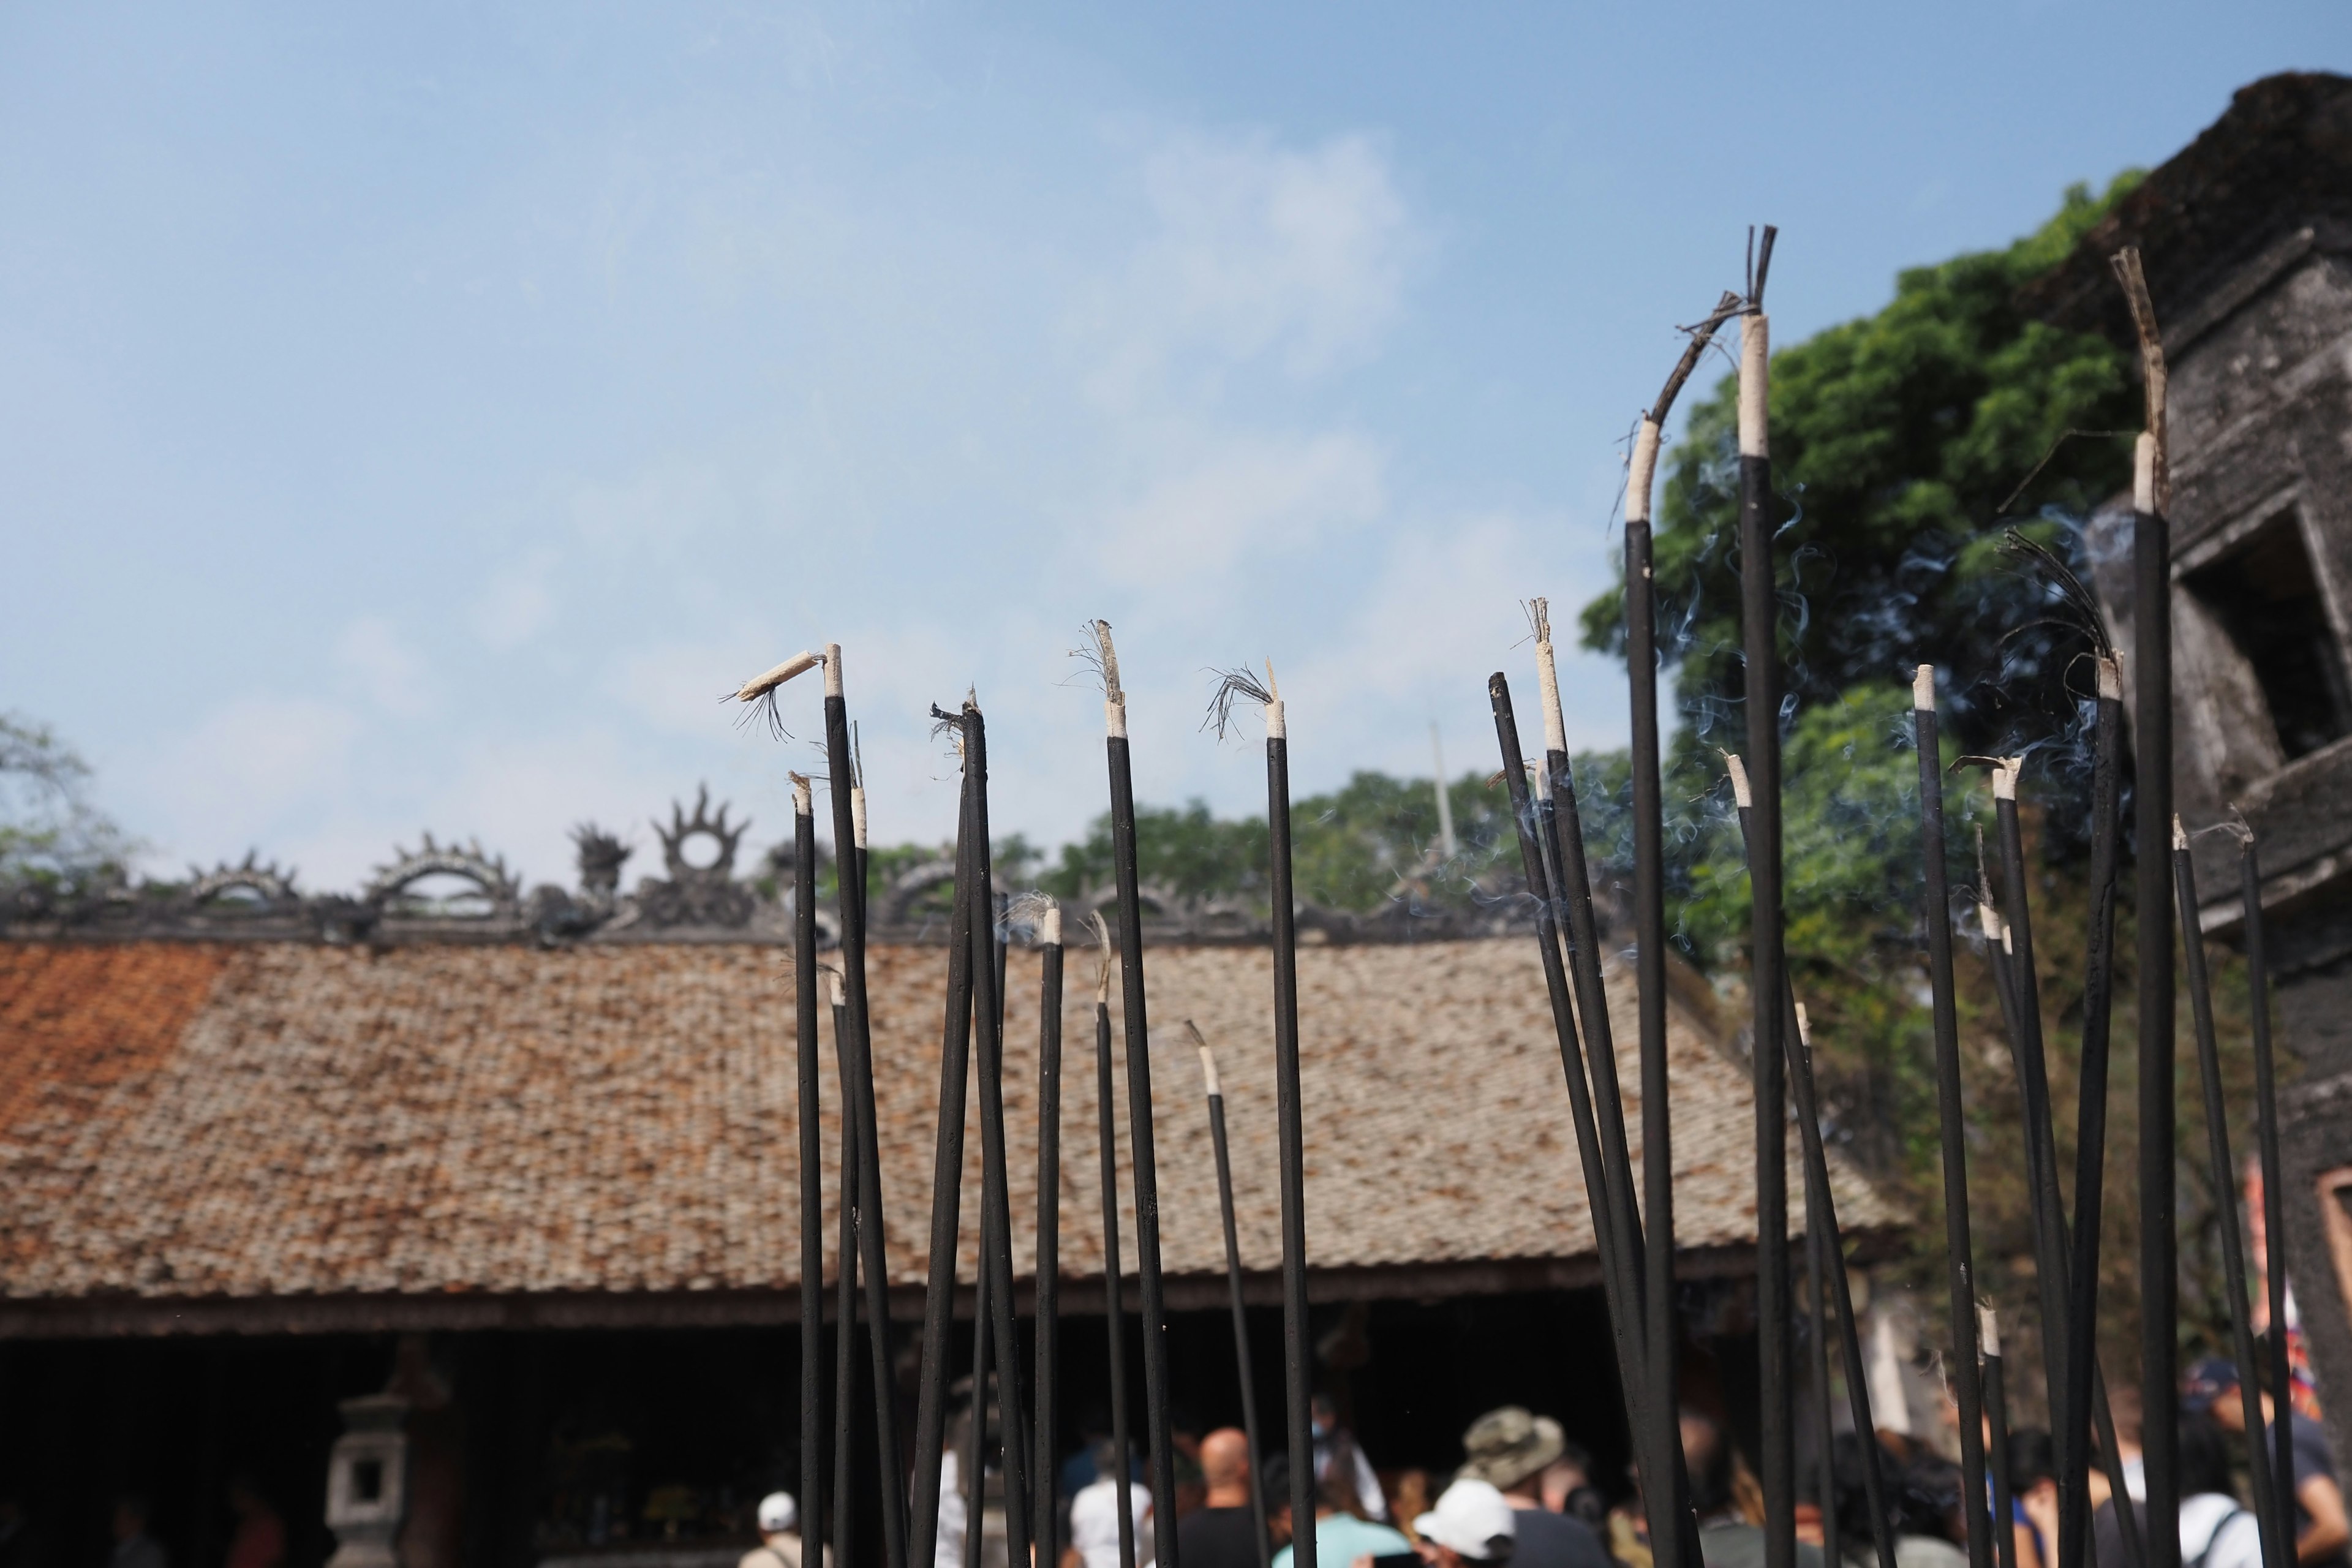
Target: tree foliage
<point>50,834</point>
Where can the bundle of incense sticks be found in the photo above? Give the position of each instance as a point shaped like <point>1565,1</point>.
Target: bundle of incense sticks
<point>1296,1352</point>
<point>1242,1362</point>
<point>1134,1016</point>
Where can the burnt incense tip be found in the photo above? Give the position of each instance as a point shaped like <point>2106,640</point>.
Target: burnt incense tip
<point>1040,913</point>
<point>1742,797</point>
<point>767,680</point>
<point>2005,771</point>
<point>832,984</point>
<point>2180,834</point>
<point>1988,1330</point>
<point>1642,472</point>
<point>833,669</point>
<point>1923,688</point>
<point>1804,1027</point>
<point>1547,676</point>
<point>2144,474</point>
<point>1103,944</point>
<point>2111,678</point>
<point>803,795</point>
<point>857,813</point>
<point>1209,1073</point>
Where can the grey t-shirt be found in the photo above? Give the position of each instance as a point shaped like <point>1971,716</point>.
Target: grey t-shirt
<point>1549,1540</point>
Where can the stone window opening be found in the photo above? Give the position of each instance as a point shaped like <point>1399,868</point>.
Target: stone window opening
<point>2266,598</point>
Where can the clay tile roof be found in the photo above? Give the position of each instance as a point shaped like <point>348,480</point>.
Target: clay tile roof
<point>268,1121</point>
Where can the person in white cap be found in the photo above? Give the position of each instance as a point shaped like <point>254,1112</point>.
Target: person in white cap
<point>780,1525</point>
<point>1471,1524</point>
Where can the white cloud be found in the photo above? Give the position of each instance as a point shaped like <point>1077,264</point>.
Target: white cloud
<point>391,674</point>
<point>1237,496</point>
<point>235,779</point>
<point>1258,250</point>
<point>519,603</point>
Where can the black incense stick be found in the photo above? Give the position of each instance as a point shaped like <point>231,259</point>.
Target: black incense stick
<point>1759,624</point>
<point>2266,1138</point>
<point>1138,1101</point>
<point>2159,1299</point>
<point>1822,1209</point>
<point>873,1260</point>
<point>1297,1354</point>
<point>947,1201</point>
<point>1817,1321</point>
<point>1114,1308</point>
<point>812,1152</point>
<point>1045,1430</point>
<point>2004,1527</point>
<point>844,1363</point>
<point>996,1218</point>
<point>1958,1264</point>
<point>2091,1125</point>
<point>1661,1331</point>
<point>975,1451</point>
<point>1614,1264</point>
<point>1242,1362</point>
<point>2276,1550</point>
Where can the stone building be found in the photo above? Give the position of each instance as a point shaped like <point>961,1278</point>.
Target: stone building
<point>525,1164</point>
<point>2247,239</point>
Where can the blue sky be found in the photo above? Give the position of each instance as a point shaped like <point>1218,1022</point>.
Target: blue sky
<point>411,418</point>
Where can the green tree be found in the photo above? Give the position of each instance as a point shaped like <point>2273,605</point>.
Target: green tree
<point>50,834</point>
<point>1897,437</point>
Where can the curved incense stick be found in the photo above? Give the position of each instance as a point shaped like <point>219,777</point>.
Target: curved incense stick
<point>1134,1010</point>
<point>1045,1429</point>
<point>1960,1267</point>
<point>2276,1550</point>
<point>1113,1309</point>
<point>811,1154</point>
<point>2159,1302</point>
<point>1759,622</point>
<point>859,1092</point>
<point>1242,1362</point>
<point>1662,1333</point>
<point>947,1201</point>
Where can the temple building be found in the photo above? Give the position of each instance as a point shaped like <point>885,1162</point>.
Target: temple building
<point>513,1176</point>
<point>2246,237</point>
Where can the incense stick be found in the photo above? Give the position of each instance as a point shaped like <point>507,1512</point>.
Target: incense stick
<point>1046,1429</point>
<point>947,1202</point>
<point>845,1366</point>
<point>1759,624</point>
<point>1661,1329</point>
<point>1216,1097</point>
<point>1959,1265</point>
<point>1821,1206</point>
<point>812,1156</point>
<point>1817,1287</point>
<point>1138,1099</point>
<point>1613,1263</point>
<point>2004,1526</point>
<point>996,1218</point>
<point>873,1260</point>
<point>2091,1125</point>
<point>1296,1352</point>
<point>1113,1309</point>
<point>975,1453</point>
<point>2266,1138</point>
<point>2159,1302</point>
<point>2276,1548</point>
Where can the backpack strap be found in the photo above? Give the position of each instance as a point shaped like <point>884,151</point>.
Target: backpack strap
<point>2227,1519</point>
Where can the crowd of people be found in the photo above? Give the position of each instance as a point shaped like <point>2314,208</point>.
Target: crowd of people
<point>1526,1496</point>
<point>256,1535</point>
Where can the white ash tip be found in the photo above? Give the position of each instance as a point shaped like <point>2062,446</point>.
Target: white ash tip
<point>803,795</point>
<point>1989,918</point>
<point>833,669</point>
<point>1923,688</point>
<point>767,680</point>
<point>1742,797</point>
<point>1755,386</point>
<point>1804,1026</point>
<point>857,813</point>
<point>2007,943</point>
<point>2111,679</point>
<point>1547,688</point>
<point>1049,926</point>
<point>2004,777</point>
<point>2180,834</point>
<point>832,978</point>
<point>1208,1072</point>
<point>2144,473</point>
<point>1988,1330</point>
<point>1642,472</point>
